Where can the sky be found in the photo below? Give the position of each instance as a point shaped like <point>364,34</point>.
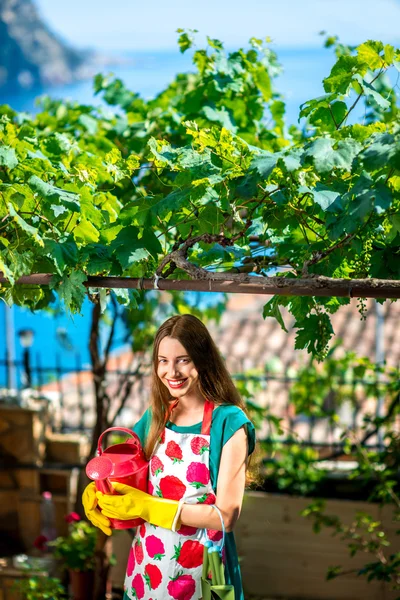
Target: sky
<point>144,25</point>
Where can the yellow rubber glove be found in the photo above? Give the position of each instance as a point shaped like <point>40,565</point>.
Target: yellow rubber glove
<point>89,501</point>
<point>131,503</point>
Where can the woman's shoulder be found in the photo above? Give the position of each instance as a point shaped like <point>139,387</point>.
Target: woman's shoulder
<point>228,418</point>
<point>229,415</point>
<point>224,411</point>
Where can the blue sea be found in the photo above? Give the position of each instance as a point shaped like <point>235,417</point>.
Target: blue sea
<point>146,73</point>
<point>149,72</point>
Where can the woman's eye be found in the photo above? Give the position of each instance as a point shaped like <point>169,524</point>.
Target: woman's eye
<point>186,360</point>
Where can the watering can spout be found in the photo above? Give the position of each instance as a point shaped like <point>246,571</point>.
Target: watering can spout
<point>99,469</point>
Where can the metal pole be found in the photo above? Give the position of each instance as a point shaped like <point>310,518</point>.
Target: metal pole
<point>10,347</point>
<point>380,359</point>
<point>39,372</point>
<point>27,368</point>
<point>81,404</point>
<point>60,391</point>
<point>243,284</point>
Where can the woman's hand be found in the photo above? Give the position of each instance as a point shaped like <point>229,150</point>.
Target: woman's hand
<point>89,502</point>
<point>126,504</point>
<point>131,503</point>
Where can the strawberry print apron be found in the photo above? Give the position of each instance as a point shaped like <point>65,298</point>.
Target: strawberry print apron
<point>164,564</point>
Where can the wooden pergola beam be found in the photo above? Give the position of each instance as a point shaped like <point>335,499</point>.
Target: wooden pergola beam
<point>242,284</point>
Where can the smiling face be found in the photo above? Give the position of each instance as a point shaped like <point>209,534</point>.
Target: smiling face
<point>175,368</point>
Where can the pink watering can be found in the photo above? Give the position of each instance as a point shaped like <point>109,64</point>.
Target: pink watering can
<point>123,463</point>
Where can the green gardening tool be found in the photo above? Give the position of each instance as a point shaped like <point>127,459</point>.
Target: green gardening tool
<point>215,588</point>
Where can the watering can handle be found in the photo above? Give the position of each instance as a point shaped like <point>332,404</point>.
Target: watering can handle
<point>124,429</point>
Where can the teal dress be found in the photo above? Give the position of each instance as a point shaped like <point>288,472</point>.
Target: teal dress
<point>226,420</point>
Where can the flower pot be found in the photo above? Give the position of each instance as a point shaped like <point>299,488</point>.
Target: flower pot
<point>82,584</point>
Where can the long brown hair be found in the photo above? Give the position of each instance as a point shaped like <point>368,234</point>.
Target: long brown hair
<point>215,383</point>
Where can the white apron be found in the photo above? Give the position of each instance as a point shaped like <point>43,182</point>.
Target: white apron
<point>164,564</point>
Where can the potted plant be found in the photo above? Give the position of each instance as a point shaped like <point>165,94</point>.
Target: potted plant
<point>77,552</point>
<point>40,588</point>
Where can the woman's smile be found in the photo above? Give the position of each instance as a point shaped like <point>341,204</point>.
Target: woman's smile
<point>176,384</point>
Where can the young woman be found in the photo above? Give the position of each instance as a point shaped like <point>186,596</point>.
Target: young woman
<point>198,438</point>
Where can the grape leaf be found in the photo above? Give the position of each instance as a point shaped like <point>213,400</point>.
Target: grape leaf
<point>32,231</point>
<point>70,289</point>
<point>128,248</point>
<point>370,91</point>
<point>271,309</point>
<point>342,74</point>
<point>55,194</point>
<point>8,158</point>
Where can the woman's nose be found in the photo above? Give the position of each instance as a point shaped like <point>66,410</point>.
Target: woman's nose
<point>173,371</point>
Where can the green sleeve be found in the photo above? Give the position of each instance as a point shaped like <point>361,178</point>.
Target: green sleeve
<point>141,428</point>
<point>233,418</point>
<point>227,419</point>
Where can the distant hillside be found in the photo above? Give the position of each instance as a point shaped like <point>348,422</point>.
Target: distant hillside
<point>31,54</point>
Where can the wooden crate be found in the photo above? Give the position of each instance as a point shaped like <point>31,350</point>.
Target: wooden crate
<point>281,557</point>
<point>20,497</point>
<point>22,433</point>
<point>63,486</point>
<point>59,481</point>
<point>29,518</point>
<point>66,448</point>
<point>20,479</point>
<point>35,481</point>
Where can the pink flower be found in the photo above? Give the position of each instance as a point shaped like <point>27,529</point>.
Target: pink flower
<point>73,517</point>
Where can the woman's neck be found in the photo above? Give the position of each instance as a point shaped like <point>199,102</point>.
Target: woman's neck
<point>188,411</point>
<point>189,404</point>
